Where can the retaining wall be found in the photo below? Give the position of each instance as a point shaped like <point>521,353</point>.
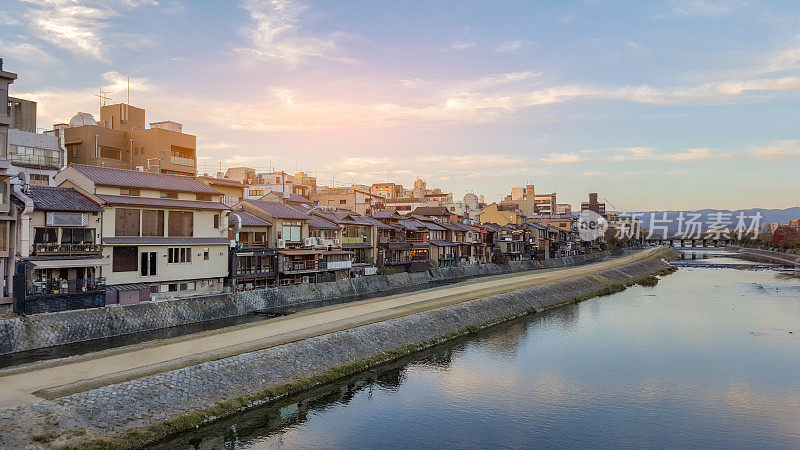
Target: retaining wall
<point>139,403</point>
<point>37,331</point>
<point>764,256</point>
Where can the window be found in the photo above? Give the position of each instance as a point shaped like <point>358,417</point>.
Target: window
<point>190,286</point>
<point>148,266</point>
<point>181,223</point>
<point>3,236</point>
<point>203,197</point>
<point>291,230</point>
<point>126,222</point>
<point>124,259</point>
<point>216,220</point>
<point>173,287</point>
<point>130,191</point>
<point>77,235</point>
<point>342,202</point>
<point>169,194</point>
<point>112,153</point>
<point>205,254</point>
<point>258,192</point>
<point>42,179</point>
<point>177,255</point>
<point>152,222</point>
<point>45,235</point>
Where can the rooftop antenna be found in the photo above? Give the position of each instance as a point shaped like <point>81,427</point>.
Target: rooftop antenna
<point>103,97</point>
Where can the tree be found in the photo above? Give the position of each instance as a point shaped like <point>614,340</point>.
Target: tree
<point>614,238</point>
<point>786,237</point>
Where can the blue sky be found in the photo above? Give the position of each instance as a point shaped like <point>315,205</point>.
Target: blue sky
<point>656,105</point>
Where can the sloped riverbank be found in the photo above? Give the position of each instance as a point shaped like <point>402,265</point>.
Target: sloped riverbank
<point>143,410</point>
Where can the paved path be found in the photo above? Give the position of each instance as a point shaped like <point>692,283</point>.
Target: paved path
<point>49,379</point>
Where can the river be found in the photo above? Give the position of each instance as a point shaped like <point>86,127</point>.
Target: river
<point>707,358</point>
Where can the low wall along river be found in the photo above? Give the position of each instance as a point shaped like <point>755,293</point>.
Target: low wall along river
<point>134,413</point>
<point>50,329</point>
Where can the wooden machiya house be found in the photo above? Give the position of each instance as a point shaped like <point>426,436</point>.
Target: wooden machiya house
<point>164,235</point>
<point>252,260</point>
<point>298,257</point>
<point>60,265</point>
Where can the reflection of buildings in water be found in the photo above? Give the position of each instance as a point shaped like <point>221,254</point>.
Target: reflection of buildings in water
<point>505,339</point>
<point>440,357</point>
<point>256,424</point>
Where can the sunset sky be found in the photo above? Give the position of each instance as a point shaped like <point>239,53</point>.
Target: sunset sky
<point>655,105</point>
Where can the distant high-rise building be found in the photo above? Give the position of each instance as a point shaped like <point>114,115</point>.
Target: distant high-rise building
<point>594,205</point>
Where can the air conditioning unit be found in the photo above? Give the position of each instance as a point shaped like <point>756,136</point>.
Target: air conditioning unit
<point>281,243</point>
<point>310,241</point>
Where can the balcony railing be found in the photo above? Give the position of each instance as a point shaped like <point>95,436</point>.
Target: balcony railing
<point>354,240</point>
<point>253,270</point>
<point>295,266</point>
<point>334,265</point>
<point>181,161</point>
<point>34,159</point>
<point>253,243</point>
<point>54,248</point>
<point>66,286</point>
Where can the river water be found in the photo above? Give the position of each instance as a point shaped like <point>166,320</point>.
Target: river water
<point>707,358</point>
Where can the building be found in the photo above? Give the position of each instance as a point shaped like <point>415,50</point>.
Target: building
<point>7,245</point>
<point>22,113</point>
<point>121,140</point>
<point>545,203</point>
<point>594,205</point>
<point>282,182</point>
<point>440,213</point>
<point>307,180</point>
<point>252,261</point>
<point>387,190</point>
<point>522,199</point>
<point>403,205</point>
<point>563,208</point>
<point>298,258</point>
<point>165,235</point>
<point>243,175</point>
<point>286,199</point>
<point>358,201</point>
<point>501,215</point>
<point>232,190</point>
<point>60,264</point>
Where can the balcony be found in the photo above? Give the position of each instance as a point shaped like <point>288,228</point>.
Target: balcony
<point>56,249</point>
<point>335,265</point>
<point>354,240</point>
<point>66,286</point>
<point>34,159</point>
<point>182,161</point>
<point>299,266</point>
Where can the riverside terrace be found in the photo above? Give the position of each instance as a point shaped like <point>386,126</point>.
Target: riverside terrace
<point>159,236</point>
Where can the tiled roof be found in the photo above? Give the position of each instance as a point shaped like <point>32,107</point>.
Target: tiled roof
<point>414,223</point>
<point>387,214</point>
<point>220,181</point>
<point>159,240</point>
<point>108,176</point>
<point>444,243</point>
<point>249,220</point>
<point>318,222</point>
<point>162,202</point>
<point>278,210</point>
<point>432,211</point>
<point>292,197</point>
<point>49,198</point>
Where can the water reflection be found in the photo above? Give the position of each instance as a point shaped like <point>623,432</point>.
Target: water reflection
<point>709,357</point>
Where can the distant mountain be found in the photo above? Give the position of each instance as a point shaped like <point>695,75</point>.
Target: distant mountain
<point>707,216</point>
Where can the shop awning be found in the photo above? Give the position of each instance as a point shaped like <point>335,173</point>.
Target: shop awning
<point>65,263</point>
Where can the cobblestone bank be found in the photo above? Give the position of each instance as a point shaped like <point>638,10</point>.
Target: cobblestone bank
<point>21,333</point>
<point>140,403</point>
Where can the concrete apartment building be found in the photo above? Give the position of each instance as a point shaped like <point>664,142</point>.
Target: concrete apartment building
<point>122,140</point>
<point>501,215</point>
<point>40,155</point>
<point>7,247</point>
<point>165,235</point>
<point>264,183</point>
<point>361,202</point>
<point>594,205</point>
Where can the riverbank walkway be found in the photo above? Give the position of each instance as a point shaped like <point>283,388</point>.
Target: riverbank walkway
<point>55,378</point>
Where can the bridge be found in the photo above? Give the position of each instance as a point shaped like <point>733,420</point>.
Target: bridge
<point>690,242</point>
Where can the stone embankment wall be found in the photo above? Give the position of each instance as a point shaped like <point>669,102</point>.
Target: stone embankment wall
<point>237,382</point>
<point>765,256</point>
<point>46,330</point>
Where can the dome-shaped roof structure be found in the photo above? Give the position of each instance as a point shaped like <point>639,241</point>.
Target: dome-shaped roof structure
<point>81,119</point>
